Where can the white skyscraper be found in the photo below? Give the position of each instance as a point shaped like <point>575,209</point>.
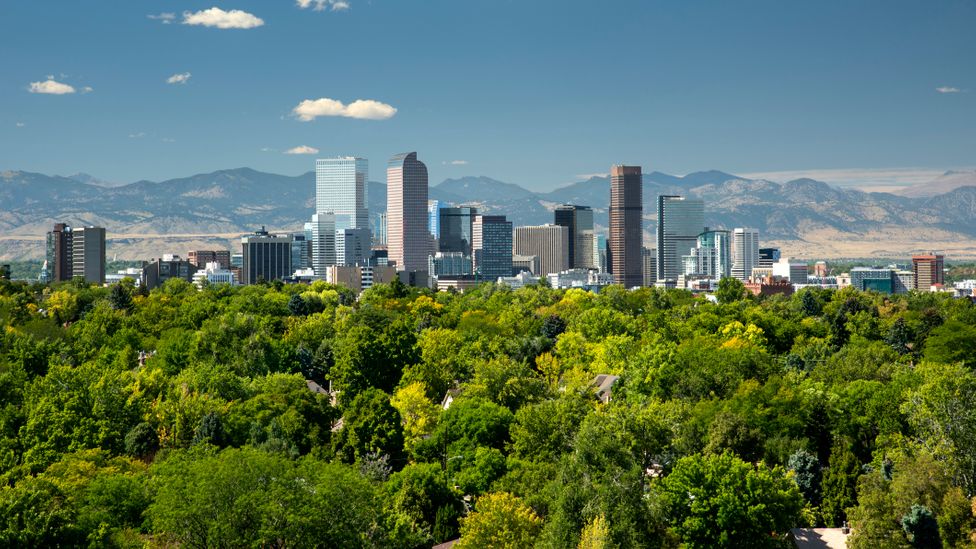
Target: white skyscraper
<point>340,189</point>
<point>745,252</point>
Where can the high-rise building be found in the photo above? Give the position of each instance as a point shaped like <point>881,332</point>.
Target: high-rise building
<point>456,226</point>
<point>408,233</point>
<point>301,252</point>
<point>200,258</point>
<point>448,264</point>
<point>768,256</point>
<point>745,252</point>
<point>711,258</point>
<point>579,221</point>
<point>266,257</point>
<point>929,270</point>
<point>434,218</point>
<point>549,242</point>
<point>88,254</point>
<point>491,246</point>
<point>340,189</point>
<point>679,222</point>
<point>626,231</point>
<point>379,235</point>
<point>59,258</point>
<point>323,242</point>
<point>649,259</point>
<point>873,278</point>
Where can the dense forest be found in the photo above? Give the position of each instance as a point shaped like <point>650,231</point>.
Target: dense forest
<point>296,416</point>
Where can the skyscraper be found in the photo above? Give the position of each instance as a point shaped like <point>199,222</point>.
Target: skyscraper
<point>434,215</point>
<point>579,221</point>
<point>455,229</point>
<point>323,242</point>
<point>491,245</point>
<point>679,222</point>
<point>340,189</point>
<point>929,270</point>
<point>549,242</point>
<point>88,254</point>
<point>712,256</point>
<point>626,233</point>
<point>745,252</point>
<point>408,234</point>
<point>59,253</point>
<point>266,257</point>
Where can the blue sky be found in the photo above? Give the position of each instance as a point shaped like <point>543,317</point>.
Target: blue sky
<point>535,92</point>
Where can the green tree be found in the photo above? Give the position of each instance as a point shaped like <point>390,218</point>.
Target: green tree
<point>921,528</point>
<point>141,441</point>
<point>731,290</point>
<point>840,483</point>
<point>722,501</point>
<point>370,425</point>
<point>952,342</point>
<point>499,521</point>
<point>807,474</point>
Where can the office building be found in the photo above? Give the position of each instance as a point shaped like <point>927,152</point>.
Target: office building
<point>549,242</point>
<point>448,264</point>
<point>873,278</point>
<point>434,218</point>
<point>323,242</point>
<point>214,273</point>
<point>902,282</point>
<point>408,233</point>
<point>626,228</point>
<point>455,229</point>
<point>929,270</point>
<point>820,268</point>
<point>379,232</point>
<point>301,252</point>
<point>745,252</point>
<point>59,260</point>
<point>679,222</point>
<point>360,277</point>
<point>520,280</point>
<point>267,257</point>
<point>768,256</point>
<point>340,189</point>
<point>585,279</point>
<point>156,272</point>
<point>649,261</point>
<point>579,221</point>
<point>795,272</point>
<point>491,246</point>
<point>200,258</point>
<point>600,252</point>
<point>88,254</point>
<point>711,257</point>
<point>527,263</point>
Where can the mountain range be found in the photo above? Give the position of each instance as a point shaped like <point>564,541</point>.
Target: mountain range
<point>807,218</point>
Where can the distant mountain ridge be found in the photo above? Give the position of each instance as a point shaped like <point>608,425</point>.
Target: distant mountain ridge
<point>235,201</point>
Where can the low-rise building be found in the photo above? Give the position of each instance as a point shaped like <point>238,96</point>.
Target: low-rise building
<point>214,273</point>
<point>588,279</point>
<point>520,280</point>
<point>359,278</point>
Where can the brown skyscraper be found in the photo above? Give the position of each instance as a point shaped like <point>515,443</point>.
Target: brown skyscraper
<point>928,271</point>
<point>59,251</point>
<point>626,234</point>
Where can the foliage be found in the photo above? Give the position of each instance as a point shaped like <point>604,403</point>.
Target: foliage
<point>500,520</point>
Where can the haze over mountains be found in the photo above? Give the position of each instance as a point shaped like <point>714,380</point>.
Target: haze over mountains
<point>807,218</point>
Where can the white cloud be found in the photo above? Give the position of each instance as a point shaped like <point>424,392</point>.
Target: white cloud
<point>302,149</point>
<point>947,89</point>
<point>266,149</point>
<point>181,78</point>
<point>168,140</point>
<point>322,5</point>
<point>20,124</point>
<point>588,176</point>
<point>52,87</point>
<point>165,18</point>
<point>139,135</point>
<point>87,89</point>
<point>365,109</point>
<point>216,17</point>
<point>455,163</point>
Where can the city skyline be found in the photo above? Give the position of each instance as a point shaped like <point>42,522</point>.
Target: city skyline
<point>888,98</point>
